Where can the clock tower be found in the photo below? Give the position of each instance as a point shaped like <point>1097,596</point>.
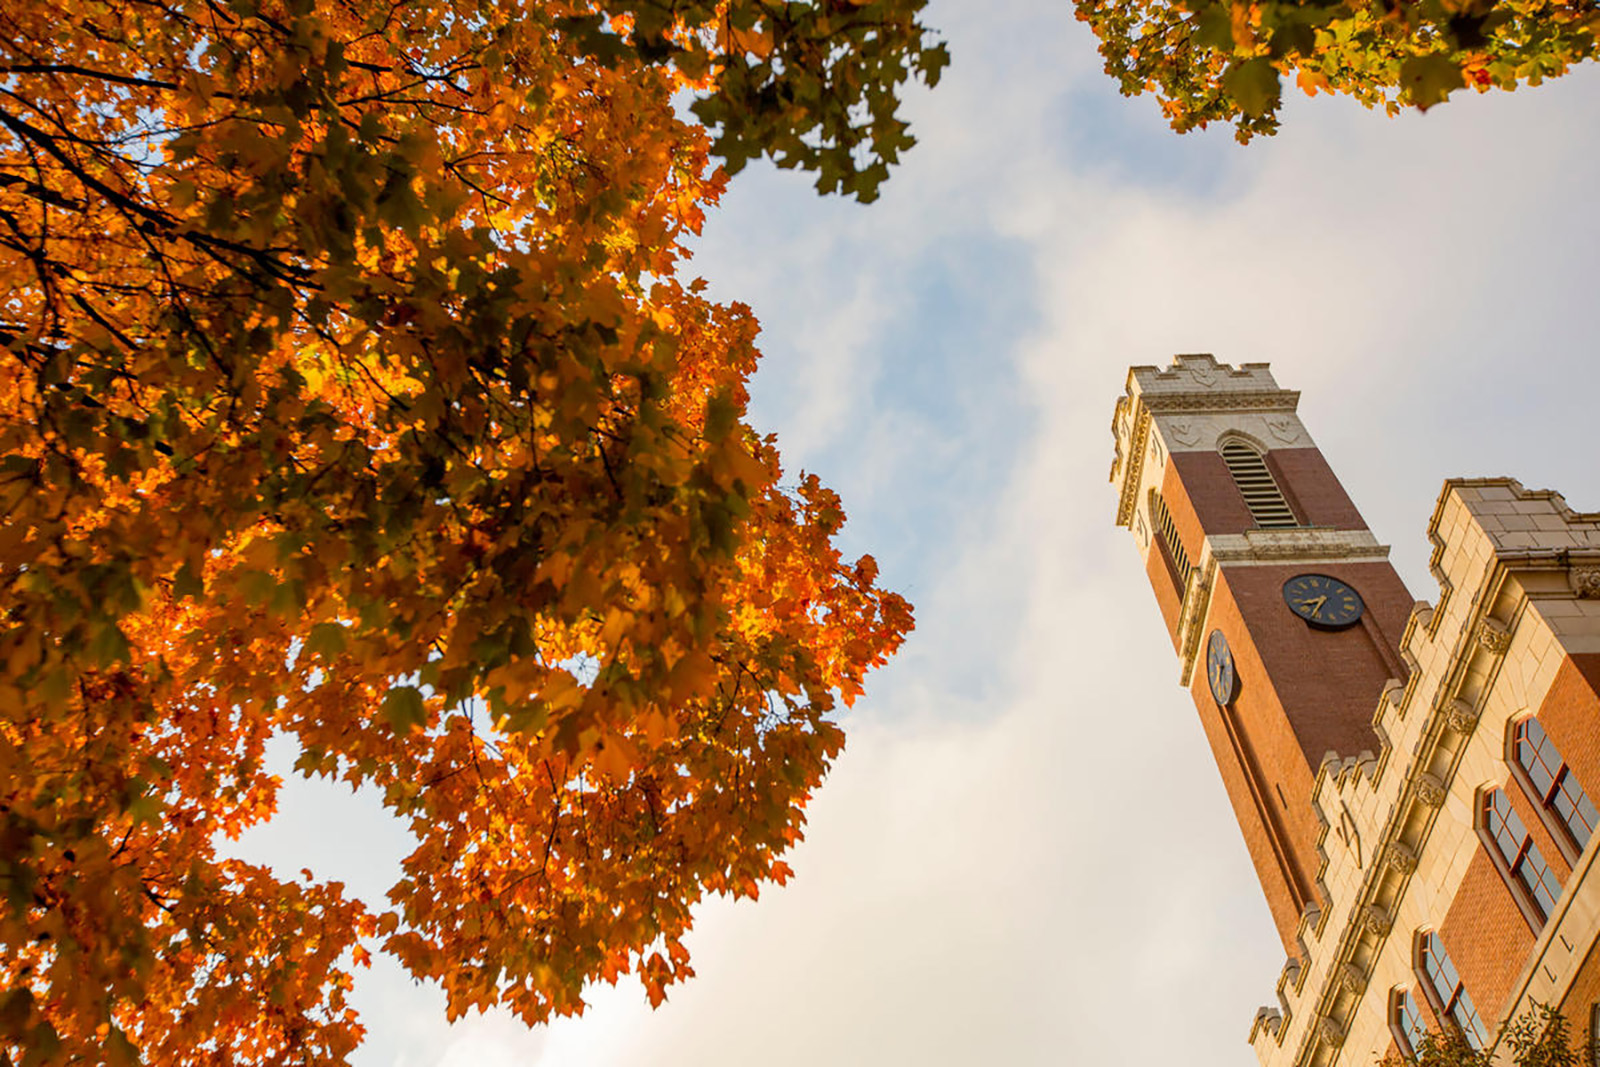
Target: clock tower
<point>1283,609</point>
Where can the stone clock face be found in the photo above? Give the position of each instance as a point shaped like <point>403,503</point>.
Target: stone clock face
<point>1323,602</point>
<point>1219,669</point>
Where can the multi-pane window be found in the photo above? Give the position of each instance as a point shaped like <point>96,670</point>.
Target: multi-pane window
<point>1408,1022</point>
<point>1256,484</point>
<point>1552,779</point>
<point>1167,531</point>
<point>1449,994</point>
<point>1522,857</point>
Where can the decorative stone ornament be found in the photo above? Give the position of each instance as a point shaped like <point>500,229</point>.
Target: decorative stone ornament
<point>1461,716</point>
<point>1353,978</point>
<point>1376,920</point>
<point>1493,636</point>
<point>1585,582</point>
<point>1331,1032</point>
<point>1400,857</point>
<point>1430,790</point>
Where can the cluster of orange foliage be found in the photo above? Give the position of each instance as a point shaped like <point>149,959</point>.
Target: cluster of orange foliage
<point>347,392</point>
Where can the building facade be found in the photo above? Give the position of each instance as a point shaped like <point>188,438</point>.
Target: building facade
<point>1413,781</point>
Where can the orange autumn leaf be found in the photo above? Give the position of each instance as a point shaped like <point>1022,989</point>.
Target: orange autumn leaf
<point>348,392</point>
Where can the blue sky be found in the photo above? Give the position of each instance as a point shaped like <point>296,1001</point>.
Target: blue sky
<point>1025,855</point>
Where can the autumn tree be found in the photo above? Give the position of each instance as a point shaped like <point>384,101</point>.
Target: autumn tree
<point>349,391</point>
<point>1226,60</point>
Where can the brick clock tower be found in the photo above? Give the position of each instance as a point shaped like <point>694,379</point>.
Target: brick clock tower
<point>1283,609</point>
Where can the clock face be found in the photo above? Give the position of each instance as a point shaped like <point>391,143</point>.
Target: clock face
<point>1219,669</point>
<point>1324,602</point>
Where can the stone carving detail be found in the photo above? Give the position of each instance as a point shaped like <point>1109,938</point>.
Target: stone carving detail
<point>1461,716</point>
<point>1585,582</point>
<point>1131,477</point>
<point>1205,377</point>
<point>1331,1032</point>
<point>1281,400</point>
<point>1184,431</point>
<point>1375,920</point>
<point>1352,978</point>
<point>1400,857</point>
<point>1430,790</point>
<point>1493,636</point>
<point>1282,427</point>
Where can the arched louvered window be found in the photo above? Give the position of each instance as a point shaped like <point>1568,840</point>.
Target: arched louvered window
<point>1553,782</point>
<point>1514,846</point>
<point>1447,992</point>
<point>1167,533</point>
<point>1257,486</point>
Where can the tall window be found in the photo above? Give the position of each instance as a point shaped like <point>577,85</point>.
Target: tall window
<point>1448,994</point>
<point>1522,858</point>
<point>1256,484</point>
<point>1407,1023</point>
<point>1167,532</point>
<point>1552,780</point>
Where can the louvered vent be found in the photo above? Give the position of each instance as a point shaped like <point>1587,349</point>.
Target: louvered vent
<point>1169,537</point>
<point>1261,494</point>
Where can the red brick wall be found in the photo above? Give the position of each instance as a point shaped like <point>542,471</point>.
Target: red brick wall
<point>1215,499</point>
<point>1312,490</point>
<point>1487,936</point>
<point>1327,682</point>
<point>1570,714</point>
<point>1305,478</point>
<point>1177,490</point>
<point>1267,778</point>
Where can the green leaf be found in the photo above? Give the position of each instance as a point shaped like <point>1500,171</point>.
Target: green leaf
<point>1254,86</point>
<point>404,710</point>
<point>325,640</point>
<point>1427,80</point>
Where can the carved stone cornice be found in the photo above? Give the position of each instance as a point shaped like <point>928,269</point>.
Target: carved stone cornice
<point>1196,403</point>
<point>1278,546</point>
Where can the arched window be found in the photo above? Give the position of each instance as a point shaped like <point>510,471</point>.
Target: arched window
<point>1521,858</point>
<point>1167,533</point>
<point>1256,484</point>
<point>1449,996</point>
<point>1405,1022</point>
<point>1553,782</point>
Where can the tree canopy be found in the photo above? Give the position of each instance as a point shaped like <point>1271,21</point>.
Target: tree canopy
<point>1540,1037</point>
<point>1226,60</point>
<point>349,391</point>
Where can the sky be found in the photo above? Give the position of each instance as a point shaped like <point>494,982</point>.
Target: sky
<point>1025,855</point>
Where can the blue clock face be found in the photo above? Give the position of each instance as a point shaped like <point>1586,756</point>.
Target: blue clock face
<point>1219,669</point>
<point>1326,603</point>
